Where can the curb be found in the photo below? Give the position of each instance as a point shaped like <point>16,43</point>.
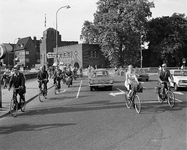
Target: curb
<point>28,101</point>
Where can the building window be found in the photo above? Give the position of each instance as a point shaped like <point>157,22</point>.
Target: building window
<point>27,52</point>
<point>94,54</point>
<point>27,59</point>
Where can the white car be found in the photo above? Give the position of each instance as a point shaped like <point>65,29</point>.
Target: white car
<point>179,79</point>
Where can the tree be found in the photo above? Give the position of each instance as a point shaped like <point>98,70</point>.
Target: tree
<point>118,26</point>
<point>167,37</point>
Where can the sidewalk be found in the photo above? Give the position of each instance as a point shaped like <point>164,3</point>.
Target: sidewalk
<point>31,93</point>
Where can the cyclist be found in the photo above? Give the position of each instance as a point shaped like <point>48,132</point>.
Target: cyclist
<point>69,73</point>
<point>17,80</point>
<point>42,77</point>
<point>131,81</point>
<point>75,69</point>
<point>164,76</point>
<point>58,76</point>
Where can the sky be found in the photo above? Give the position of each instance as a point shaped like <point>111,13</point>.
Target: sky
<point>23,18</point>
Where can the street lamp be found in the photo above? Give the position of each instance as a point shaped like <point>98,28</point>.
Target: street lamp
<point>67,6</point>
<point>14,49</point>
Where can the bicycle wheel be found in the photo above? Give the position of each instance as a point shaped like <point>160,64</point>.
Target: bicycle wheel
<point>45,92</point>
<point>55,89</point>
<point>22,106</point>
<point>13,107</point>
<point>171,98</point>
<point>159,98</point>
<point>137,104</point>
<point>40,95</point>
<point>128,102</point>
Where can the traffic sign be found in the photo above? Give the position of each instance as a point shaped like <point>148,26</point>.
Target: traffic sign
<point>51,55</point>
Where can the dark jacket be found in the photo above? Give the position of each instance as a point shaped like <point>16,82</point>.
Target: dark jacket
<point>17,81</point>
<point>42,75</point>
<point>164,75</point>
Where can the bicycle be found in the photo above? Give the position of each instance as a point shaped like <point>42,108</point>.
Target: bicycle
<point>134,100</point>
<point>169,95</point>
<point>43,90</point>
<point>56,88</point>
<point>14,105</point>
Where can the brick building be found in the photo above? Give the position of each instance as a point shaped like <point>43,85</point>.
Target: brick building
<point>81,55</point>
<point>27,52</point>
<point>47,44</point>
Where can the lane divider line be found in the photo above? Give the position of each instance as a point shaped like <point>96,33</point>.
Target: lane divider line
<point>179,93</point>
<point>178,100</point>
<point>79,89</point>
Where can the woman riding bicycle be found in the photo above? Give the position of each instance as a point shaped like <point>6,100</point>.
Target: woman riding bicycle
<point>131,81</point>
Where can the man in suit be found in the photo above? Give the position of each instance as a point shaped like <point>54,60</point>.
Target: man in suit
<point>17,80</point>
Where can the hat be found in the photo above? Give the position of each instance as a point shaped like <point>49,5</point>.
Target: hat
<point>16,67</point>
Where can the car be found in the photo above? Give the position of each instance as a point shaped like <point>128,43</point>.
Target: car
<point>100,78</point>
<point>142,75</point>
<point>179,79</point>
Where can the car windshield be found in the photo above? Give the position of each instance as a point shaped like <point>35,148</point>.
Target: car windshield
<point>99,73</point>
<point>180,73</point>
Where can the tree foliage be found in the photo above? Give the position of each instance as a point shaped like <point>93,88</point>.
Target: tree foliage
<point>118,26</point>
<point>167,37</point>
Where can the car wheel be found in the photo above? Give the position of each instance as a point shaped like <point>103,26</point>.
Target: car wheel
<point>176,87</point>
<point>110,88</point>
<point>147,79</point>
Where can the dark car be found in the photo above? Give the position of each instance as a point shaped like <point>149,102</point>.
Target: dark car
<point>100,78</point>
<point>142,75</point>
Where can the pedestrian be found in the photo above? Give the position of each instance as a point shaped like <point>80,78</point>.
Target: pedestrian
<point>5,78</point>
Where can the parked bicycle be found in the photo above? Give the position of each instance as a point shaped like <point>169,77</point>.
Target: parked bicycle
<point>15,105</point>
<point>43,90</point>
<point>134,99</point>
<point>168,95</point>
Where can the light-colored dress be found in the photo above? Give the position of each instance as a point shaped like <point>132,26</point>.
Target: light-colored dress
<point>130,79</point>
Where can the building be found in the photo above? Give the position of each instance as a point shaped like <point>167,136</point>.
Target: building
<point>47,44</point>
<point>27,52</point>
<point>81,55</point>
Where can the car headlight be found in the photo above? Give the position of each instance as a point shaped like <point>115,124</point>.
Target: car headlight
<point>111,81</point>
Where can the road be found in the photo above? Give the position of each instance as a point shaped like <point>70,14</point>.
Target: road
<point>79,119</point>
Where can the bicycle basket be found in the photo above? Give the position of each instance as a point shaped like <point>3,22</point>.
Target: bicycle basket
<point>139,88</point>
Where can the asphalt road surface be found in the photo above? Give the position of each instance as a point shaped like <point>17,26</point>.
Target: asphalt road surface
<point>80,119</point>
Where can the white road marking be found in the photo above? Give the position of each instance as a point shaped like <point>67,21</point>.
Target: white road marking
<point>178,100</point>
<point>64,91</point>
<point>79,89</point>
<point>179,93</point>
<point>155,101</point>
<point>120,90</point>
<point>117,93</point>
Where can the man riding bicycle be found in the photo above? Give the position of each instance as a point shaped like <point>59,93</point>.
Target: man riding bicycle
<point>58,75</point>
<point>42,77</point>
<point>164,76</point>
<point>17,80</point>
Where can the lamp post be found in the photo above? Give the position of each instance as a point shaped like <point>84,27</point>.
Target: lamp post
<point>67,6</point>
<point>14,50</point>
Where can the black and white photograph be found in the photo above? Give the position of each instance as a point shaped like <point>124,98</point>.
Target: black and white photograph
<point>93,75</point>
